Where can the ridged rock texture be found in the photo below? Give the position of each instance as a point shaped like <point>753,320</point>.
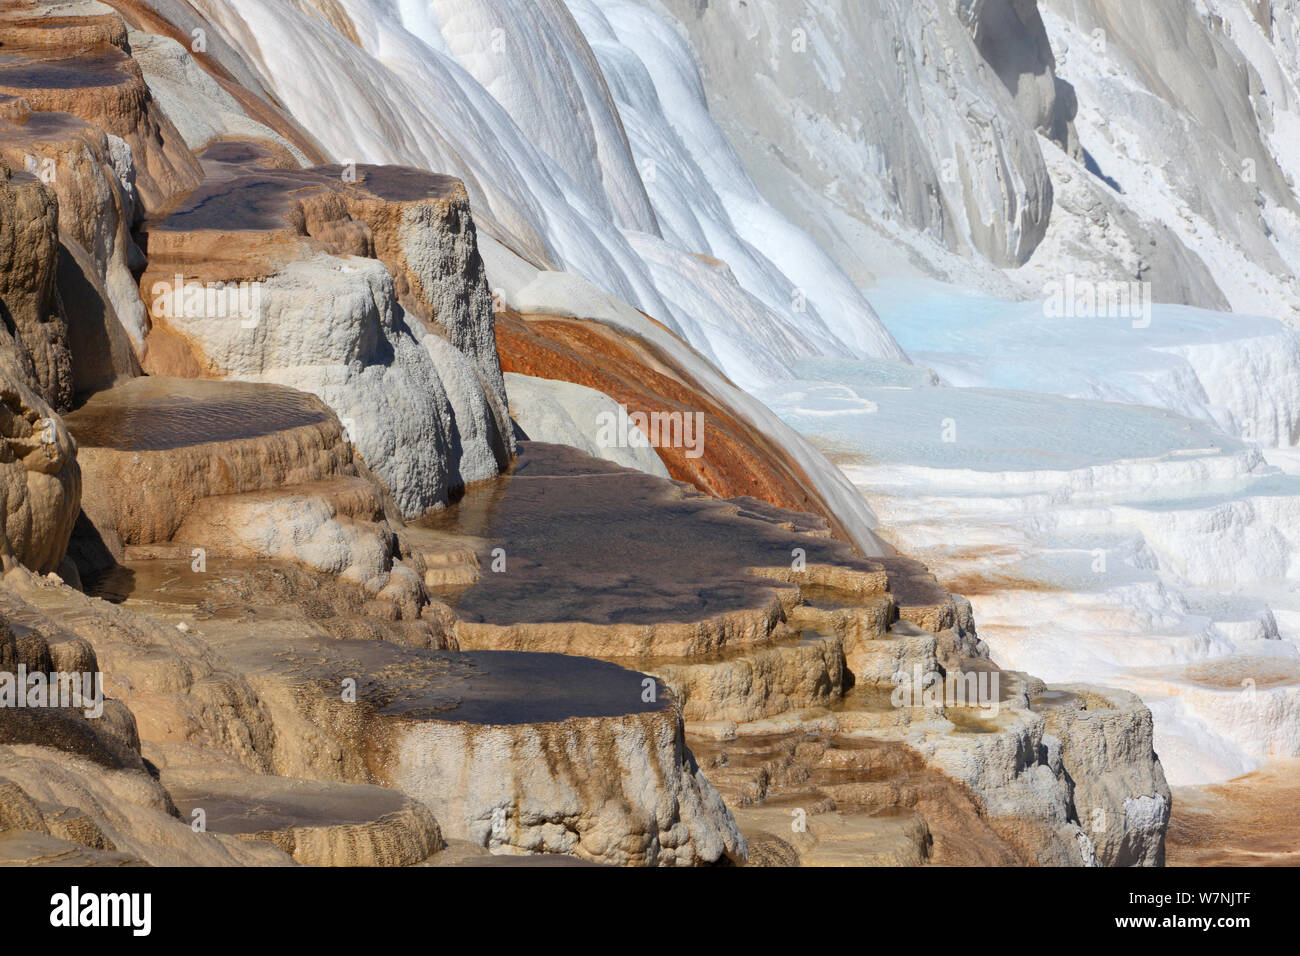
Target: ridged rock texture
<point>40,483</point>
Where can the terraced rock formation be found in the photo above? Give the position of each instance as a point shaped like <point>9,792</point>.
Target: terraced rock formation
<point>260,479</point>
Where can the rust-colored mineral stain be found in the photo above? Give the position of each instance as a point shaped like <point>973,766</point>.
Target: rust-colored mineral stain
<point>737,460</point>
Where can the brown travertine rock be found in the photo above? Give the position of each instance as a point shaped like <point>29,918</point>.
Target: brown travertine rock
<point>40,483</point>
<point>783,675</point>
<point>29,848</point>
<point>417,224</point>
<point>400,347</point>
<point>691,585</point>
<point>29,247</point>
<point>129,812</point>
<point>177,688</point>
<point>151,448</point>
<point>317,823</point>
<point>79,65</point>
<point>284,712</point>
<point>516,752</point>
<point>90,174</point>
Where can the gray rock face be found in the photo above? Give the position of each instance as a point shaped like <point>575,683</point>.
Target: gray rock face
<point>1093,232</point>
<point>1012,39</point>
<point>884,109</point>
<point>1120,794</point>
<point>1189,110</point>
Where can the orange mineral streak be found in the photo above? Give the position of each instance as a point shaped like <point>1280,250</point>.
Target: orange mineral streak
<point>738,459</point>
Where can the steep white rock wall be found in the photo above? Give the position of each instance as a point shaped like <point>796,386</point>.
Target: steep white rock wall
<point>885,109</point>
<point>1191,111</point>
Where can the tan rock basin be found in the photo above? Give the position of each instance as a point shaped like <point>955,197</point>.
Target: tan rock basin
<point>151,447</point>
<point>487,687</point>
<point>587,541</point>
<point>318,823</point>
<point>253,804</point>
<point>158,414</point>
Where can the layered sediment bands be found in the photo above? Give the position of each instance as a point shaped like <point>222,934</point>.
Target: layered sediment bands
<point>985,788</point>
<point>734,459</point>
<point>68,717</point>
<point>80,65</point>
<point>336,526</point>
<point>151,448</point>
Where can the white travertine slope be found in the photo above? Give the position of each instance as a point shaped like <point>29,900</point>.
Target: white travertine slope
<point>200,109</point>
<point>531,187</point>
<point>854,114</point>
<point>880,122</point>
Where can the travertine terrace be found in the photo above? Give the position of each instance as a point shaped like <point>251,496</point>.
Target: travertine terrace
<point>260,474</point>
